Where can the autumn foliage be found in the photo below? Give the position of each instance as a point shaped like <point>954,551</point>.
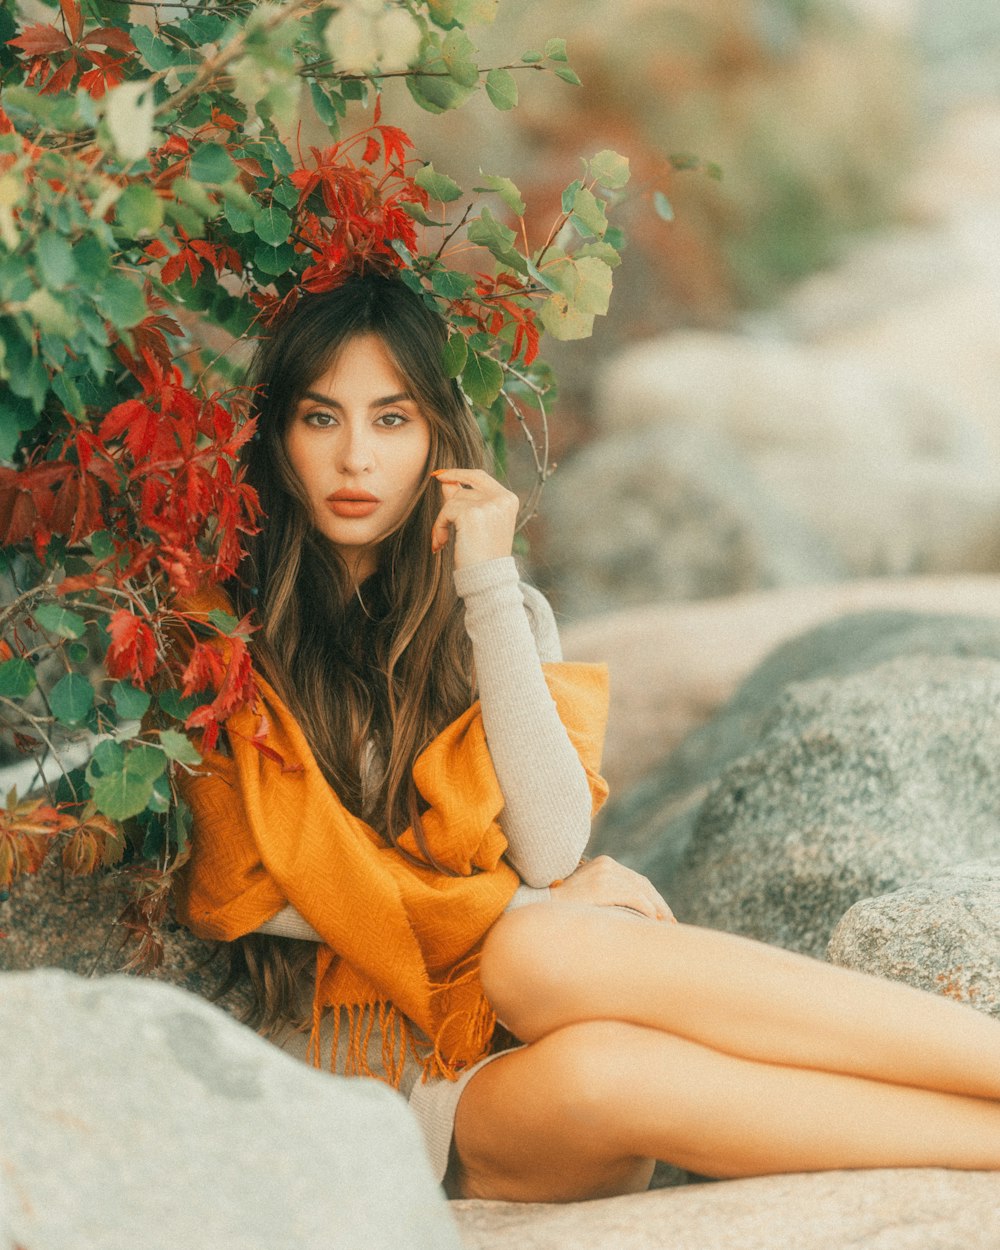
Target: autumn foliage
<point>153,187</point>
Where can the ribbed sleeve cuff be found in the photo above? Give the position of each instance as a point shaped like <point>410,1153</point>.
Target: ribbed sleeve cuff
<point>486,576</point>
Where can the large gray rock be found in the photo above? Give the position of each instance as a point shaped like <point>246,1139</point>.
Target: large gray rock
<point>51,920</point>
<point>673,665</point>
<point>730,463</point>
<point>940,934</point>
<point>669,514</point>
<point>136,1117</point>
<point>913,1209</point>
<point>855,761</point>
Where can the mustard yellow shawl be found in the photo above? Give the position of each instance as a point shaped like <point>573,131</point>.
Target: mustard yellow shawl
<point>401,940</point>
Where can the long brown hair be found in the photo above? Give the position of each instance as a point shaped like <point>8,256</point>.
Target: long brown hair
<point>380,669</point>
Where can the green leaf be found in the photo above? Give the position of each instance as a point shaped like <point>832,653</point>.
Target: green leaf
<point>55,260</point>
<point>139,211</point>
<point>179,747</point>
<point>71,698</point>
<point>455,354</point>
<point>609,169</point>
<point>506,190</point>
<point>144,760</point>
<point>182,821</point>
<point>274,260</point>
<point>532,58</point>
<point>240,219</point>
<point>482,379</point>
<point>438,186</point>
<point>59,620</point>
<point>51,314</point>
<point>497,238</point>
<point>450,283</point>
<point>555,50</point>
<point>160,799</point>
<point>663,206</point>
<point>563,321</point>
<point>325,101</point>
<point>583,292</point>
<point>501,88</point>
<point>102,544</point>
<point>458,53</point>
<point>588,213</point>
<point>155,52</point>
<point>194,195</point>
<point>212,163</point>
<point>273,225</point>
<point>172,703</point>
<point>78,652</point>
<point>17,679</point>
<point>569,195</point>
<point>603,251</point>
<point>568,75</point>
<point>121,794</point>
<point>121,301</point>
<point>131,703</point>
<point>224,621</point>
<point>416,211</point>
<point>108,757</point>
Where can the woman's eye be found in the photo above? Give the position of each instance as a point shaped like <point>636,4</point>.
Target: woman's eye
<point>320,418</point>
<point>392,420</point>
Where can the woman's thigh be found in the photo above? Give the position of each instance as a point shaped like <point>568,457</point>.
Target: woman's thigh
<point>543,1123</point>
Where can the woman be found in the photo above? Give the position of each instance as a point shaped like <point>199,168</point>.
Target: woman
<point>373,837</point>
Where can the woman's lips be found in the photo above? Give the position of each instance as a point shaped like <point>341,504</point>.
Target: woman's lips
<point>352,503</point>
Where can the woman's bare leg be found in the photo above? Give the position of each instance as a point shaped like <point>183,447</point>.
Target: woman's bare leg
<point>584,1111</point>
<point>551,965</point>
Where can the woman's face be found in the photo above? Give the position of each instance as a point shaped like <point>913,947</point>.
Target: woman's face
<point>359,444</point>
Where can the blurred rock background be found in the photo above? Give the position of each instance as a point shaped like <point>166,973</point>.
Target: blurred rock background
<point>797,380</point>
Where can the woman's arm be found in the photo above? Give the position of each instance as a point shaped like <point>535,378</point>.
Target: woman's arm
<point>547,802</point>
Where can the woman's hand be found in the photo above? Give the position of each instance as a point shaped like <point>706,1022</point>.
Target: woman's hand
<point>606,883</point>
<point>481,512</point>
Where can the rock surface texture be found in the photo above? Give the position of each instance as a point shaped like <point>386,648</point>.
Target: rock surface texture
<point>940,934</point>
<point>856,760</point>
<point>136,1117</point>
<point>673,665</point>
<point>890,1210</point>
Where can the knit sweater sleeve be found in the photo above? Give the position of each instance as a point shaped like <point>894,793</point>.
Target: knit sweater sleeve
<point>547,803</point>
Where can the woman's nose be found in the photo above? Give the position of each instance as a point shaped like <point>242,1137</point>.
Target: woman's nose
<point>355,450</point>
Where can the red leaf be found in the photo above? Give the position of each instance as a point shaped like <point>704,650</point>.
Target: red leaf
<point>373,151</point>
<point>76,511</point>
<point>109,37</point>
<point>137,421</point>
<point>132,652</point>
<point>40,40</point>
<point>105,75</point>
<point>73,18</point>
<point>206,669</point>
<point>396,142</point>
<point>61,79</point>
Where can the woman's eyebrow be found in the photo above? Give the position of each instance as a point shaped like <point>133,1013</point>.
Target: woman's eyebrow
<point>403,396</point>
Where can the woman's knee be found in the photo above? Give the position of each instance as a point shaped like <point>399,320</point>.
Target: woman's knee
<point>564,1136</point>
<point>527,958</point>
